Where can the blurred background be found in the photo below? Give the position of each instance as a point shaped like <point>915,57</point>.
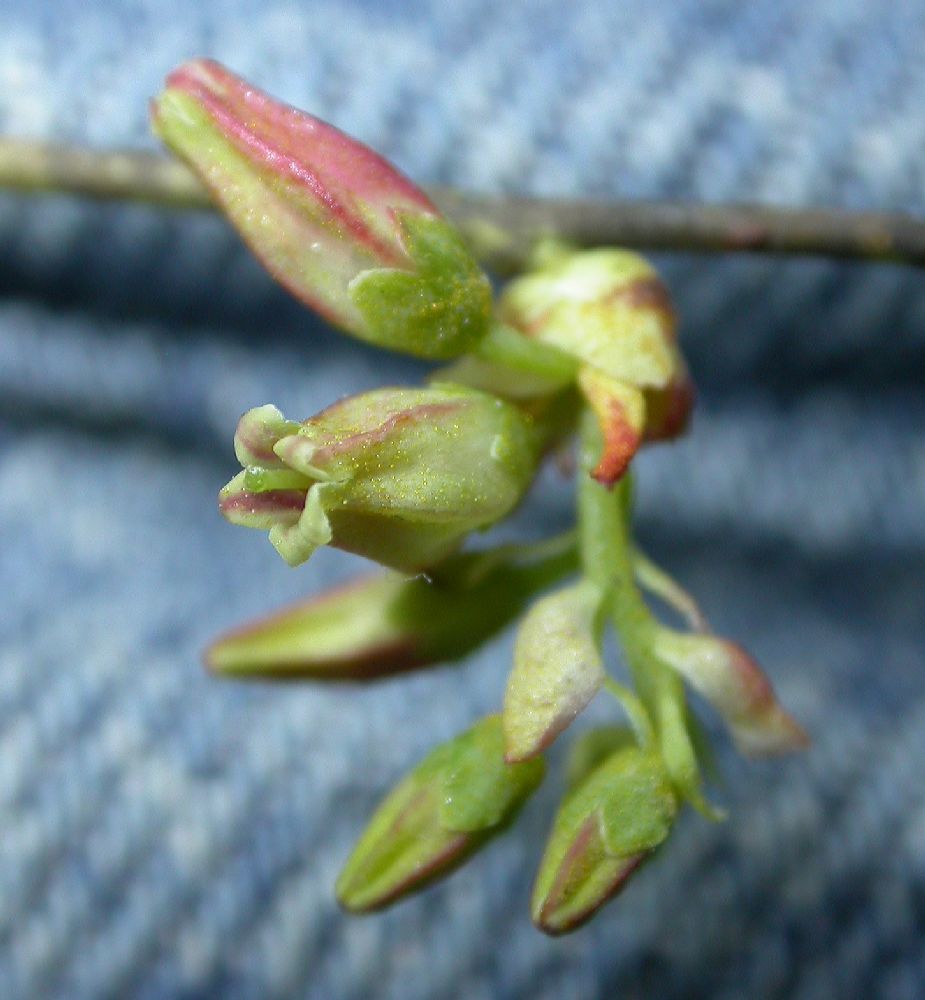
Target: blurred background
<point>164,834</point>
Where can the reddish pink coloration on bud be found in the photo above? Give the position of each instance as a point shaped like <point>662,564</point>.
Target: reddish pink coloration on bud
<point>330,219</point>
<point>308,160</point>
<point>341,172</point>
<point>731,680</point>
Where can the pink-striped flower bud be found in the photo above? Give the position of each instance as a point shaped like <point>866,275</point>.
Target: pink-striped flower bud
<point>330,219</point>
<point>453,803</point>
<point>387,623</point>
<point>607,826</point>
<point>397,475</point>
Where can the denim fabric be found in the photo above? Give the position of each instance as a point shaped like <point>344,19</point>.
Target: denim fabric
<point>167,835</point>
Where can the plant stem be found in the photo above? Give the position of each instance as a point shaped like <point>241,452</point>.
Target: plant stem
<point>606,554</point>
<point>109,175</point>
<point>606,557</point>
<point>503,230</point>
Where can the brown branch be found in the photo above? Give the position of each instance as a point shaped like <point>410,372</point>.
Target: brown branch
<point>502,229</point>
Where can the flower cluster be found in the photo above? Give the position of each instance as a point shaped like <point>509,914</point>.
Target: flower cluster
<point>582,344</point>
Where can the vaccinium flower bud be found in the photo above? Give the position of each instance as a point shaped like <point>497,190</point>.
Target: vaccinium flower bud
<point>610,311</point>
<point>397,475</point>
<point>383,624</point>
<point>724,673</point>
<point>459,797</point>
<point>557,669</point>
<point>330,219</point>
<point>607,826</point>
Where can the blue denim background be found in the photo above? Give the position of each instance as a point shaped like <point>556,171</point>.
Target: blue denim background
<point>165,835</point>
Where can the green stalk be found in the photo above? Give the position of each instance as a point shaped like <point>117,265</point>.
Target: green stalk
<point>606,552</point>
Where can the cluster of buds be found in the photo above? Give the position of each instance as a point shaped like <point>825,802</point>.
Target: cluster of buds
<point>583,342</point>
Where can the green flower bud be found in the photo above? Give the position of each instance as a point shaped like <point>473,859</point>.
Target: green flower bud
<point>725,674</point>
<point>557,669</point>
<point>397,475</point>
<point>384,624</point>
<point>450,806</point>
<point>330,219</point>
<point>605,829</point>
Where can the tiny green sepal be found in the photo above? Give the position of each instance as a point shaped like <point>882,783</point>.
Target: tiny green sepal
<point>607,826</point>
<point>439,308</point>
<point>450,806</point>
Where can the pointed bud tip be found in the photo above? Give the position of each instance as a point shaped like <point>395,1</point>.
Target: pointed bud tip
<point>359,892</point>
<point>777,735</point>
<point>557,915</point>
<point>454,802</point>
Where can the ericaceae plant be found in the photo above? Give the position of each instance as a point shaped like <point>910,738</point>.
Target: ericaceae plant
<point>583,344</point>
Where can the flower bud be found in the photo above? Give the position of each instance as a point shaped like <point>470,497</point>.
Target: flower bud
<point>383,624</point>
<point>397,475</point>
<point>607,826</point>
<point>734,684</point>
<point>557,670</point>
<point>330,219</point>
<point>608,308</point>
<point>611,311</point>
<point>451,805</point>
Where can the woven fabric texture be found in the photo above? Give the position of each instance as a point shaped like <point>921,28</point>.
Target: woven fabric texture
<point>166,835</point>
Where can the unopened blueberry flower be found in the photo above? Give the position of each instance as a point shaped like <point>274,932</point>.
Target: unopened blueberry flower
<point>608,825</point>
<point>387,623</point>
<point>453,803</point>
<point>397,475</point>
<point>333,221</point>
